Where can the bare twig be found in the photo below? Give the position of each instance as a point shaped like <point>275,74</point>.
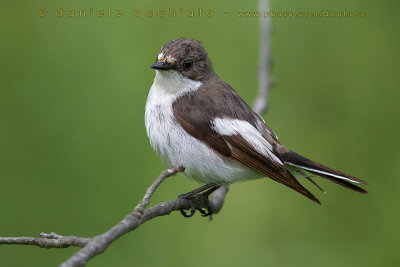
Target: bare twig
<point>98,244</point>
<point>264,84</point>
<point>218,198</point>
<point>200,201</point>
<point>51,240</point>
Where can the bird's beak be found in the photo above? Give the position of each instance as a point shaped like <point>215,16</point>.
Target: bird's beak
<point>160,66</point>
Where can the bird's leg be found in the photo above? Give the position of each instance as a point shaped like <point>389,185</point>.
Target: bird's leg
<point>195,192</point>
<point>203,191</point>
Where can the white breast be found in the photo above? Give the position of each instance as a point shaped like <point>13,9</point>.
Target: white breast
<point>175,145</point>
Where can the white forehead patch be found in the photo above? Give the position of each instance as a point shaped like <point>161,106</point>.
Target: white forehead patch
<point>161,57</point>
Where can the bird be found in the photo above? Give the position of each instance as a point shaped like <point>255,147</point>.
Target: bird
<point>196,120</point>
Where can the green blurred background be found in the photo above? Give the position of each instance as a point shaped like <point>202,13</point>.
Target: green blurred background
<point>74,156</point>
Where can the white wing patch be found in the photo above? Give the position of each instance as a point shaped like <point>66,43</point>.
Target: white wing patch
<point>225,126</point>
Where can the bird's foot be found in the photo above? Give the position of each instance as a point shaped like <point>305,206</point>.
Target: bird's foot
<point>202,192</point>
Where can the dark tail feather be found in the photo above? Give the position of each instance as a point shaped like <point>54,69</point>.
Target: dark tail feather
<point>294,171</point>
<point>293,159</point>
<point>342,183</point>
<point>314,183</point>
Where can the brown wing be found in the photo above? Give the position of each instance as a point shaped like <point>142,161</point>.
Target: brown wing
<point>245,153</point>
<point>196,120</point>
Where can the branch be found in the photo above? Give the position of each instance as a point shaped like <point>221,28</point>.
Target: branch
<point>98,244</point>
<point>51,240</point>
<point>200,201</point>
<point>264,84</point>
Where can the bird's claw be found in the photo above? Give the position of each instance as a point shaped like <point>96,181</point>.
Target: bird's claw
<point>204,213</point>
<point>184,214</point>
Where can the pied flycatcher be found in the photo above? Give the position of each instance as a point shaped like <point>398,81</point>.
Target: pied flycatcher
<point>196,120</point>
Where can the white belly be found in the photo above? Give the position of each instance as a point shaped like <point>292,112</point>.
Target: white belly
<point>177,147</point>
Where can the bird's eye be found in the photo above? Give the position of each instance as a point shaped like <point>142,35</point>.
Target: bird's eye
<point>187,64</point>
